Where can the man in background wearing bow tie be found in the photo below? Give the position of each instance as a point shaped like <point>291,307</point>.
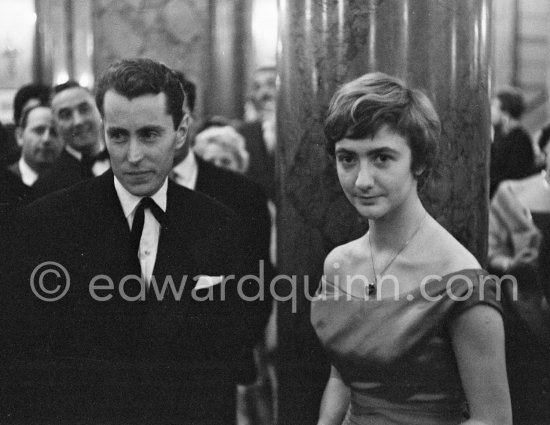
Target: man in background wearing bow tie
<point>78,123</point>
<point>116,348</point>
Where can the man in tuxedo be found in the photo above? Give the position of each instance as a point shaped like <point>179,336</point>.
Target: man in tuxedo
<point>512,153</point>
<point>28,95</point>
<point>37,137</point>
<point>259,129</point>
<point>39,146</point>
<point>153,327</point>
<point>249,201</point>
<point>244,196</point>
<point>78,123</point>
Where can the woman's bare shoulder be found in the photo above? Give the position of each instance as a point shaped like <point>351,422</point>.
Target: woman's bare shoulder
<point>448,253</point>
<point>343,257</point>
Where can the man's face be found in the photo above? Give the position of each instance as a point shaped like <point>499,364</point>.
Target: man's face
<point>264,91</point>
<point>496,112</point>
<point>77,119</point>
<point>141,140</point>
<point>39,143</point>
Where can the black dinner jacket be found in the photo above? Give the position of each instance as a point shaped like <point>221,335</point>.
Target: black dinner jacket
<point>244,196</point>
<point>249,201</point>
<point>13,194</point>
<point>262,163</point>
<point>65,172</point>
<point>167,359</point>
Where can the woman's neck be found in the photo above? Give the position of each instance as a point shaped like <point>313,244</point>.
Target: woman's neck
<point>395,228</point>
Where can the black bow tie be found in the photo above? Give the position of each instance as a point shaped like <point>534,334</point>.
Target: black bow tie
<point>139,218</point>
<point>101,156</point>
<point>88,161</point>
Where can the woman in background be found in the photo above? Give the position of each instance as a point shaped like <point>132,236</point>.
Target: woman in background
<point>412,328</point>
<point>224,147</point>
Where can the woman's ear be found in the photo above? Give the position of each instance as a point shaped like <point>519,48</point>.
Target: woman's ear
<point>419,171</point>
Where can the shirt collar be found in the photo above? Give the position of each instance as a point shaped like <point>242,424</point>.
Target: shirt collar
<point>73,152</point>
<point>129,201</point>
<point>28,175</point>
<point>186,172</point>
<point>78,155</point>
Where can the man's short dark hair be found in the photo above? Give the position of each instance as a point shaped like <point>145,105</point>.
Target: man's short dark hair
<point>66,85</point>
<point>511,101</point>
<point>132,78</point>
<point>27,112</point>
<point>25,93</point>
<point>189,88</point>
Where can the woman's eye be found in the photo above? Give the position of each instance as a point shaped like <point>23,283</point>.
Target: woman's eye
<point>346,159</point>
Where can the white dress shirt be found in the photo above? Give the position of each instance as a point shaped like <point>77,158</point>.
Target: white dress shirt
<point>98,168</point>
<point>186,172</point>
<point>148,245</point>
<point>28,175</point>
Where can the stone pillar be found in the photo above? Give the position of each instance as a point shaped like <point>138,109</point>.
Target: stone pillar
<point>175,32</point>
<point>230,28</point>
<point>439,47</point>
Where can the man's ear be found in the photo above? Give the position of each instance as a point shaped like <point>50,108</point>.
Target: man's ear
<point>19,135</point>
<point>181,136</point>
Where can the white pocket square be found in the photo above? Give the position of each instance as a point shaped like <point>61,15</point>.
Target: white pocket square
<point>204,281</point>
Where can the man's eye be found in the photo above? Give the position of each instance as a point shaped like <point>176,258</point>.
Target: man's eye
<point>149,135</point>
<point>64,115</point>
<point>382,158</point>
<point>84,108</point>
<point>116,136</point>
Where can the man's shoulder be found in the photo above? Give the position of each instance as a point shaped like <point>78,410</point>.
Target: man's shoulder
<point>72,200</point>
<point>230,180</point>
<point>190,203</point>
<point>64,172</point>
<point>238,192</point>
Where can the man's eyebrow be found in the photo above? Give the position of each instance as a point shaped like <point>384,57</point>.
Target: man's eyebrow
<point>151,127</point>
<point>114,129</point>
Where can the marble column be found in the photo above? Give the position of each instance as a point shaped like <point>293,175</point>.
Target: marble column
<point>175,32</point>
<point>439,47</point>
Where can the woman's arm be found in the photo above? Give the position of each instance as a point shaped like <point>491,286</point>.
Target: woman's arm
<point>334,404</point>
<point>478,341</point>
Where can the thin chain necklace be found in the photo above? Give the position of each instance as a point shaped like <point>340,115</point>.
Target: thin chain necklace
<point>371,287</point>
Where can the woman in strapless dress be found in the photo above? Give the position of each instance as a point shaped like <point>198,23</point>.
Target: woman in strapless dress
<point>410,321</point>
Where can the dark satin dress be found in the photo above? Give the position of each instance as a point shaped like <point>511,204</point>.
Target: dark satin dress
<point>396,355</point>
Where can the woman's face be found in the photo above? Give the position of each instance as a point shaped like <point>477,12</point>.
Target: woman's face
<point>221,157</point>
<point>375,173</point>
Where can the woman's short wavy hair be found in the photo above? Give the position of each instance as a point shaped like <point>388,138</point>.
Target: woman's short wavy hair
<point>361,107</point>
<point>229,139</point>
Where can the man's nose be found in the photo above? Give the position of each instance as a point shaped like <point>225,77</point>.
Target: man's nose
<point>78,118</point>
<point>135,152</point>
<point>48,136</point>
